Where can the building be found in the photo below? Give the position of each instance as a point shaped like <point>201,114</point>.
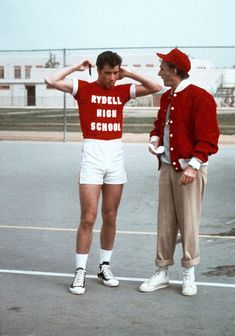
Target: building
<point>22,79</point>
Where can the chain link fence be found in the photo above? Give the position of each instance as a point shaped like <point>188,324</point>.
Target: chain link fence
<point>27,105</point>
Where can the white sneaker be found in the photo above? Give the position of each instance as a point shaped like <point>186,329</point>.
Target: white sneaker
<point>107,276</point>
<point>159,280</point>
<point>189,286</point>
<point>78,285</point>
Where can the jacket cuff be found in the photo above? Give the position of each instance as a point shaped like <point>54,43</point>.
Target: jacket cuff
<point>195,163</point>
<point>154,138</point>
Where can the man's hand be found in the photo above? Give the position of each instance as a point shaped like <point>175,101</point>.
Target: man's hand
<point>82,66</point>
<point>123,73</point>
<point>188,175</point>
<point>147,85</point>
<point>155,144</point>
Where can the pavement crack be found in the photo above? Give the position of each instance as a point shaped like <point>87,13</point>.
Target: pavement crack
<point>226,270</point>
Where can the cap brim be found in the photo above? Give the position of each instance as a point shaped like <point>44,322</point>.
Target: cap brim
<point>161,55</point>
<point>164,57</point>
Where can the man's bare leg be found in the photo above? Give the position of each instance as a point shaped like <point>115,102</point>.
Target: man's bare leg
<point>111,198</point>
<point>89,197</point>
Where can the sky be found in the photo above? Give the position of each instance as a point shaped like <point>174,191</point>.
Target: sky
<point>109,24</point>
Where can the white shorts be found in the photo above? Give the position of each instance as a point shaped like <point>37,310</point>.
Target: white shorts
<point>102,162</point>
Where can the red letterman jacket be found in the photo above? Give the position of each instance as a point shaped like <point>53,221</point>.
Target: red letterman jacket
<point>193,127</point>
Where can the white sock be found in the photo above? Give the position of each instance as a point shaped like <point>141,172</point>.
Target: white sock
<point>105,256</point>
<point>190,271</point>
<point>162,268</point>
<point>81,260</point>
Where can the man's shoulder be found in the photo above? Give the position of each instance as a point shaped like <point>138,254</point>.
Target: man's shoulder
<point>85,86</point>
<point>83,82</point>
<point>199,90</point>
<point>120,89</point>
<point>122,86</point>
<point>166,93</point>
<point>201,95</point>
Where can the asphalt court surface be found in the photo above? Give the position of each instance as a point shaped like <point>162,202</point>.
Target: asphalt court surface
<point>38,220</point>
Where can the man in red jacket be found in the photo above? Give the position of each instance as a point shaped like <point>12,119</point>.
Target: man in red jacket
<point>185,133</point>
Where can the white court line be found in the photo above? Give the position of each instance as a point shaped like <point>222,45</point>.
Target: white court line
<point>211,236</point>
<point>70,275</point>
<point>230,222</point>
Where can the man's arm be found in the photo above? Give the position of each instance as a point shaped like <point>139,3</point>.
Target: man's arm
<point>58,81</point>
<point>206,136</point>
<point>147,85</point>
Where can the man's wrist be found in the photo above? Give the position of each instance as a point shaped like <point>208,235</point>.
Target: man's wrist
<point>153,138</point>
<point>195,163</point>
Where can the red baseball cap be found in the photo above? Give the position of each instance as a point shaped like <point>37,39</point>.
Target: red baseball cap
<point>177,58</point>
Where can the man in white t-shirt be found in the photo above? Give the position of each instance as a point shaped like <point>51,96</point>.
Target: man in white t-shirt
<point>102,170</point>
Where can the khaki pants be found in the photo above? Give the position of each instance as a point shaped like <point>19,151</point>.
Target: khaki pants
<point>179,209</point>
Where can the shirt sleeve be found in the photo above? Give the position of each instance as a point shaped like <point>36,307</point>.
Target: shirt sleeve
<point>133,91</point>
<point>75,87</point>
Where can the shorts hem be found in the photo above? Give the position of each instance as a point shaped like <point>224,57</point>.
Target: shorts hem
<point>94,183</point>
<point>101,183</point>
<point>123,182</point>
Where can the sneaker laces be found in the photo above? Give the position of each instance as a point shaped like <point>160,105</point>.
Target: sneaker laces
<point>186,275</point>
<point>188,279</point>
<point>148,281</point>
<point>105,269</point>
<point>156,274</point>
<point>79,278</point>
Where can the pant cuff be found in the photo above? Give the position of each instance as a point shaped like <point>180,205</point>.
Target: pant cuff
<point>164,263</point>
<point>190,263</point>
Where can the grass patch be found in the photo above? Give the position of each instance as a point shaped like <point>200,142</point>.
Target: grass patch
<point>53,120</point>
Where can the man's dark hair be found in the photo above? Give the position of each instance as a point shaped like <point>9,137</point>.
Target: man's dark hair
<point>180,73</point>
<point>108,58</point>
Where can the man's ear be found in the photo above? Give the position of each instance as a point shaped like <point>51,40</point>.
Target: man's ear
<point>174,72</point>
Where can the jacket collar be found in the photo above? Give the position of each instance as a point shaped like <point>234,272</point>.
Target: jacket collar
<point>182,85</point>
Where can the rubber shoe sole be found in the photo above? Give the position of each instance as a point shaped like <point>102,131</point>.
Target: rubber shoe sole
<point>77,290</point>
<point>153,288</point>
<point>109,283</point>
<point>186,292</point>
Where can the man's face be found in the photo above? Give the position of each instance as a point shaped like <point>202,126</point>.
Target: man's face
<point>167,74</point>
<point>108,76</point>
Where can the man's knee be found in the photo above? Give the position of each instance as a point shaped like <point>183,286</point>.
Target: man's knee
<point>109,215</point>
<point>88,220</point>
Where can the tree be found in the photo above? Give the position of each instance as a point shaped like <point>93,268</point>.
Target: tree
<point>52,63</point>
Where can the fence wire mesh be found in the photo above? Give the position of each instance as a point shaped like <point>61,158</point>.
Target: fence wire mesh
<point>27,105</point>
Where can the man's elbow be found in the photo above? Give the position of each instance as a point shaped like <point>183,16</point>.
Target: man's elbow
<point>157,88</point>
<point>48,82</point>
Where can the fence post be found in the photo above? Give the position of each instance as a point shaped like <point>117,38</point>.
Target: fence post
<point>65,121</point>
